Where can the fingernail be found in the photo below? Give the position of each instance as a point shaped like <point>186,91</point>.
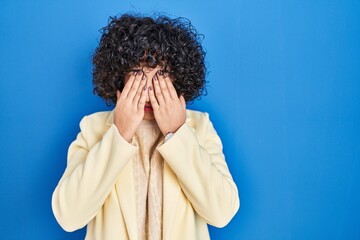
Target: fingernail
<point>143,77</point>
<point>145,87</point>
<point>155,77</point>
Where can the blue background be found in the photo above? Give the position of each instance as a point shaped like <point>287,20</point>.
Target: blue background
<point>283,94</point>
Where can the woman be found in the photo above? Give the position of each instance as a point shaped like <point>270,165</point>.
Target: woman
<point>150,168</point>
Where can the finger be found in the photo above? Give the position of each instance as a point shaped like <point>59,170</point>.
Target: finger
<point>118,95</point>
<point>135,86</point>
<point>163,87</point>
<point>128,84</point>
<point>142,100</point>
<point>170,86</point>
<point>157,91</point>
<point>183,103</point>
<point>154,102</point>
<point>140,89</point>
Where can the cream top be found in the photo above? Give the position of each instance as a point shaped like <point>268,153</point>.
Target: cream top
<point>148,171</point>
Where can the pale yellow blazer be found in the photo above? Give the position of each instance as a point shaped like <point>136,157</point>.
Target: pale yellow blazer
<point>97,187</point>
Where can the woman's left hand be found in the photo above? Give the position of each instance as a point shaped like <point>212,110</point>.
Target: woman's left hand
<point>169,109</point>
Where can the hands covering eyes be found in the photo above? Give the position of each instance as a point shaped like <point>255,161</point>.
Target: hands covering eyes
<point>129,109</point>
<point>169,109</point>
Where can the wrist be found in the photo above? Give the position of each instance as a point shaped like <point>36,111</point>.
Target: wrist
<point>125,134</point>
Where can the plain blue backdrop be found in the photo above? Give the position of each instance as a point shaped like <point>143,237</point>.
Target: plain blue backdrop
<point>283,94</point>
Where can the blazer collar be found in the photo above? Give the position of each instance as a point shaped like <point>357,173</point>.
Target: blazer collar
<point>126,193</point>
<point>110,118</point>
<point>125,189</point>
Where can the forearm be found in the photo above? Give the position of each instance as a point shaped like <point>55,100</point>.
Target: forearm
<point>89,178</point>
<point>203,175</point>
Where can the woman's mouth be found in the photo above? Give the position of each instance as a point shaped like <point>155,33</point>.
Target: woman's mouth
<point>148,108</point>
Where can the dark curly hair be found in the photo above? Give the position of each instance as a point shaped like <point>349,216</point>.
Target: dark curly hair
<point>131,40</point>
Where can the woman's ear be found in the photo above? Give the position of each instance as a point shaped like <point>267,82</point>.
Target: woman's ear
<point>119,84</point>
<point>118,94</point>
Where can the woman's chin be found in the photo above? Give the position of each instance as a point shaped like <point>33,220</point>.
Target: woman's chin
<point>149,116</point>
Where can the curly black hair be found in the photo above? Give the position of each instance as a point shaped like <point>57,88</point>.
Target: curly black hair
<point>131,40</point>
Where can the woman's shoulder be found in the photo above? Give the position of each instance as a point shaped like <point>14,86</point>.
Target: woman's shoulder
<point>97,120</point>
<point>99,116</point>
<point>197,119</point>
<point>195,115</point>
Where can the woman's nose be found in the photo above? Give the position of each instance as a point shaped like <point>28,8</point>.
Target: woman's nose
<point>148,84</point>
<point>151,73</point>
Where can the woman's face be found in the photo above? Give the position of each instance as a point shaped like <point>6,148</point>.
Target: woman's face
<point>150,73</point>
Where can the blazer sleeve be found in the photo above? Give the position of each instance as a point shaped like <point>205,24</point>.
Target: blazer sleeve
<point>203,173</point>
<point>89,176</point>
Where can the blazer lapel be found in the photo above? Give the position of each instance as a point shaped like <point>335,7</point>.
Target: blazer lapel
<point>125,189</point>
<point>170,199</point>
<point>171,194</point>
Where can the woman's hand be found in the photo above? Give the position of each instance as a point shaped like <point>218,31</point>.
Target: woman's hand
<point>129,109</point>
<point>169,109</point>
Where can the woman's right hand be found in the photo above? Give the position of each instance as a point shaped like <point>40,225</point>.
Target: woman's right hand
<point>129,109</point>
